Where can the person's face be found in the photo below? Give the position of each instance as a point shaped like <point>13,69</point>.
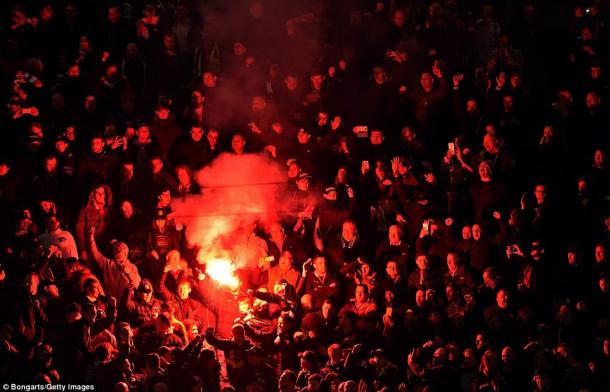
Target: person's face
<point>145,297</point>
<point>238,334</point>
<point>99,195</point>
<point>471,107</point>
<point>162,113</point>
<point>156,165</point>
<point>331,196</point>
<point>291,83</point>
<point>600,253</point>
<point>169,42</point>
<point>394,234</point>
<point>306,303</point>
<point>484,172</point>
<point>341,176</point>
<point>303,184</point>
<point>212,137</point>
<point>502,299</point>
<point>183,291</point>
<point>61,146</point>
<point>450,293</point>
<point>70,133</point>
<point>114,15</point>
<point>508,103</point>
<point>392,269</point>
<point>599,158</point>
<point>326,309</point>
<point>596,72</point>
<point>365,269</point>
<point>50,165</point>
<point>122,255</point>
<point>4,169</point>
<point>97,145</point>
<point>183,176</point>
<point>476,232</point>
<point>349,231</point>
<point>285,262</point>
<point>422,262</point>
<point>196,98</point>
<point>489,282</point>
<point>540,193</point>
<point>149,11</point>
<point>376,137</point>
<point>126,209</point>
<point>316,81</point>
<point>282,325</point>
<point>93,290</point>
<point>165,198</point>
<point>452,263</point>
<point>322,118</point>
<point>572,258</point>
<point>426,81</point>
<point>258,104</point>
<point>379,75</point>
<point>592,100</point>
<point>53,224</point>
<point>46,205</point>
<point>360,294</point>
<point>399,19</point>
<point>490,144</point>
<point>209,79</point>
<point>237,144</point>
<point>293,170</point>
<point>160,223</point>
<point>74,72</point>
<point>319,265</point>
<point>239,49</point>
<point>313,384</point>
<point>83,43</point>
<point>408,135</point>
<point>46,13</point>
<point>479,341</point>
<point>303,137</point>
<point>256,10</point>
<point>127,171</point>
<point>14,107</point>
<point>31,284</point>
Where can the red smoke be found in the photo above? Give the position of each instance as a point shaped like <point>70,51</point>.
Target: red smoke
<point>237,191</point>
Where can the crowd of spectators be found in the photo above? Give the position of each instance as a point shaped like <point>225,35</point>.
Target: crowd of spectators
<point>448,181</point>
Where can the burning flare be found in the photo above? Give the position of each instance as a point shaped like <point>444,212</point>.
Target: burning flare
<point>222,271</point>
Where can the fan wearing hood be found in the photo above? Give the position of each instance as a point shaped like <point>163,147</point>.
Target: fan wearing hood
<point>118,273</point>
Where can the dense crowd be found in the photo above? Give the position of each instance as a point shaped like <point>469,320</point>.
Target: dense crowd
<point>448,189</point>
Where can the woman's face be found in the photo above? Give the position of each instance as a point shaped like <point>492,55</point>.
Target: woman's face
<point>365,269</point>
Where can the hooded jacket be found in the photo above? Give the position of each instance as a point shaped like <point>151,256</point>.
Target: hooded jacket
<point>116,276</point>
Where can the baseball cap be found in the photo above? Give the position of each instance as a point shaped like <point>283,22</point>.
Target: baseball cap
<point>304,176</point>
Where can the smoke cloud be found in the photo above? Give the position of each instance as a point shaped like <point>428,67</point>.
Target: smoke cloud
<point>237,192</point>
